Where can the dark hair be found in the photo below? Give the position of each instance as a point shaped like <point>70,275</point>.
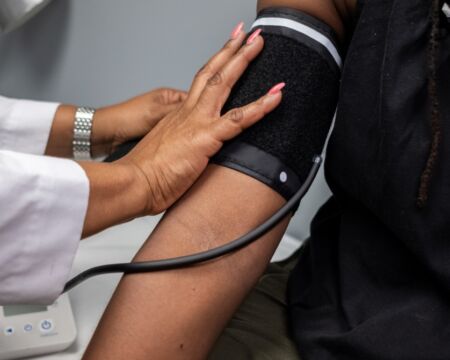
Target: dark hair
<point>435,115</point>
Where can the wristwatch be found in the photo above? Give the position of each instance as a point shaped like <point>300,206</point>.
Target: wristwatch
<point>82,130</point>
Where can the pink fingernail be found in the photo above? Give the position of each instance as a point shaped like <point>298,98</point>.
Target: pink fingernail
<point>237,30</point>
<point>253,36</point>
<point>277,88</point>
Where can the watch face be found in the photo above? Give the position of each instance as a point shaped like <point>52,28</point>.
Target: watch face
<point>14,13</point>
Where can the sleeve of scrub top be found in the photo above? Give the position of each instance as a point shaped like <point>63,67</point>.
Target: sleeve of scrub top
<point>43,203</point>
<point>25,125</point>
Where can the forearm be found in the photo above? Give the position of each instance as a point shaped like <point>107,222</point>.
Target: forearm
<point>61,134</point>
<point>117,194</point>
<point>179,314</point>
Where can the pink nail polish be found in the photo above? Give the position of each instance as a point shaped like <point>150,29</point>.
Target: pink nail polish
<point>277,88</point>
<point>253,36</point>
<point>237,30</point>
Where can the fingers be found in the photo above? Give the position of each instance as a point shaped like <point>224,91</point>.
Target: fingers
<point>167,109</point>
<point>176,96</point>
<point>219,86</point>
<point>236,120</point>
<point>167,96</point>
<point>216,63</point>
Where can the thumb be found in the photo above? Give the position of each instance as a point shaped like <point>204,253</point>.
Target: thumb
<point>237,120</point>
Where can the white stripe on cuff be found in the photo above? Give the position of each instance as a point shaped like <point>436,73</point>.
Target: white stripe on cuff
<point>304,29</point>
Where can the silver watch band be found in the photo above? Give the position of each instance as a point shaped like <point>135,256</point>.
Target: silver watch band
<point>82,129</point>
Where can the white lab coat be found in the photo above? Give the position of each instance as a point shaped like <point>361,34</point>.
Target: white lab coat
<point>13,13</point>
<point>43,203</point>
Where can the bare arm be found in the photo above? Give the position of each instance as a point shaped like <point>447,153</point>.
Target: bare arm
<point>113,124</point>
<point>172,156</point>
<point>332,12</point>
<point>179,314</point>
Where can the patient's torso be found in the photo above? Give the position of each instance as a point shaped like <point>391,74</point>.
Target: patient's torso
<point>374,282</point>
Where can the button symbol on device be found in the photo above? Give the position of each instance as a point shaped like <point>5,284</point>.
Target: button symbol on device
<point>9,331</point>
<point>46,325</point>
<point>28,328</point>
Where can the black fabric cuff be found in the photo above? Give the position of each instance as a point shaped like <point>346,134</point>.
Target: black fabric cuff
<point>303,28</point>
<point>260,165</point>
<point>278,150</point>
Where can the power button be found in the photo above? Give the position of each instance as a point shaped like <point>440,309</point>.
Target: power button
<point>46,325</point>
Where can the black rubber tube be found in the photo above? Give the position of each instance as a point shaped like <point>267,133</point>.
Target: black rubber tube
<point>189,260</point>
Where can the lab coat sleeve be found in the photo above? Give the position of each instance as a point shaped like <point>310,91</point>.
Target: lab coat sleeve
<point>43,203</point>
<point>25,125</point>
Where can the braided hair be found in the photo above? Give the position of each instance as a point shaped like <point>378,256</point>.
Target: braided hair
<point>436,130</point>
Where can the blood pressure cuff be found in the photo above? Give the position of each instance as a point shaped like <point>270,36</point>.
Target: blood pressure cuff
<point>278,151</point>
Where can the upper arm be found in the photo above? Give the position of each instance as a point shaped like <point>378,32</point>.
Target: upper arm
<point>179,314</point>
<point>333,12</point>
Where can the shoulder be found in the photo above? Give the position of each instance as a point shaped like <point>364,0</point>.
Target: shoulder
<point>336,13</point>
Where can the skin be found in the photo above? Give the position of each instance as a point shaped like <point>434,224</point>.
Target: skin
<point>111,187</point>
<point>179,314</point>
<point>192,130</point>
<point>333,12</point>
<point>115,124</point>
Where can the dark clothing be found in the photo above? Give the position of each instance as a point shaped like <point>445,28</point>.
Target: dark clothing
<point>374,282</point>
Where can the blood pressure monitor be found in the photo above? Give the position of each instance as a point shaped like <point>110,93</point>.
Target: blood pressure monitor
<point>27,330</point>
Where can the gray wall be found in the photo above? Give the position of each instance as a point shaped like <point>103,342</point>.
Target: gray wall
<point>97,52</point>
<point>102,51</point>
